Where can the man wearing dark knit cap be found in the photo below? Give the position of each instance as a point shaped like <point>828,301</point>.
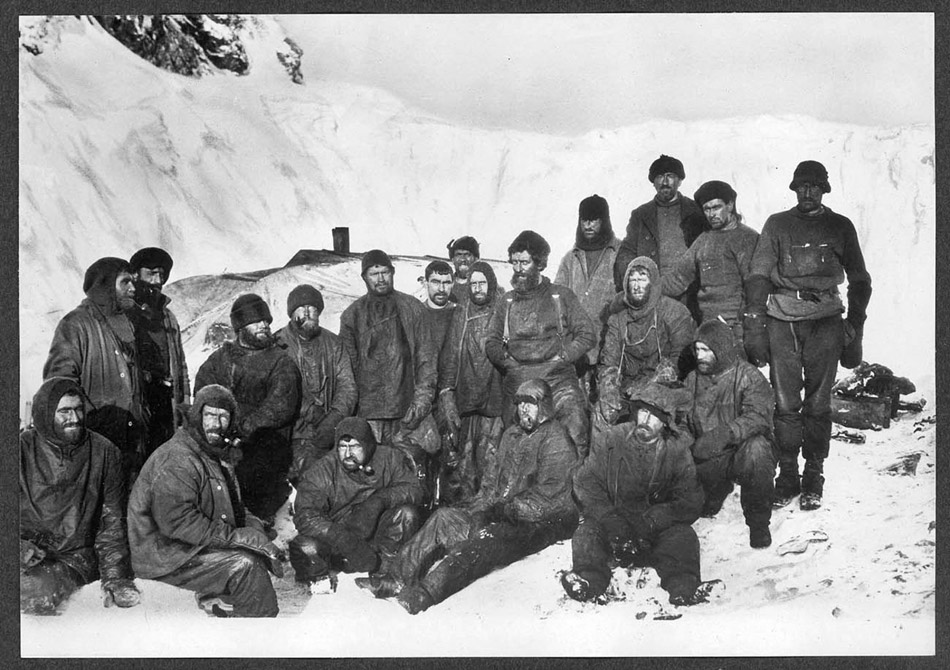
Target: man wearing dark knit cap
<point>94,345</point>
<point>266,385</point>
<point>328,392</point>
<point>794,323</point>
<point>540,331</point>
<point>718,259</point>
<point>588,271</point>
<point>664,228</point>
<point>158,341</point>
<point>395,363</point>
<point>463,252</point>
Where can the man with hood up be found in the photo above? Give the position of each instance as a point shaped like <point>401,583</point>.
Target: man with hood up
<point>266,385</point>
<point>72,506</point>
<point>646,336</point>
<point>470,393</point>
<point>94,345</point>
<point>638,496</point>
<point>187,524</point>
<point>158,343</point>
<point>731,417</point>
<point>523,506</point>
<point>588,271</point>
<point>328,392</point>
<point>540,331</point>
<point>355,508</point>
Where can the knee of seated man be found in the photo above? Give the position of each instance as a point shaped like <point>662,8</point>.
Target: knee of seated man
<point>407,516</point>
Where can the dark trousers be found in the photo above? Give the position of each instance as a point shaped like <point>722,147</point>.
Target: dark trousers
<point>45,586</point>
<point>468,552</point>
<point>262,473</point>
<point>238,577</point>
<point>161,419</point>
<point>804,359</point>
<point>752,467</point>
<point>674,556</point>
<point>479,436</point>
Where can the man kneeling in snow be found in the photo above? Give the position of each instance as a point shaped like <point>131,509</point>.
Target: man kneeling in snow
<point>638,496</point>
<point>523,505</point>
<point>72,504</point>
<point>356,508</point>
<point>187,524</point>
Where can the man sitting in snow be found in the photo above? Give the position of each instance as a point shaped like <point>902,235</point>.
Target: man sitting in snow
<point>638,497</point>
<point>731,416</point>
<point>523,506</point>
<point>187,524</point>
<point>72,505</point>
<point>355,508</point>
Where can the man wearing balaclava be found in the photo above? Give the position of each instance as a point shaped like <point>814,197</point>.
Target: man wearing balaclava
<point>72,505</point>
<point>328,393</point>
<point>638,497</point>
<point>94,345</point>
<point>794,323</point>
<point>470,392</point>
<point>731,417</point>
<point>265,382</point>
<point>588,270</point>
<point>188,526</point>
<point>540,331</point>
<point>523,505</point>
<point>158,342</point>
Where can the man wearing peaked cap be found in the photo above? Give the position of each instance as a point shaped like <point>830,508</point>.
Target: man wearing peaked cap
<point>266,385</point>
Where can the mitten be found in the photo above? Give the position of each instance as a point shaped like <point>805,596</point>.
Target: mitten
<point>121,592</point>
<point>415,414</point>
<point>712,443</point>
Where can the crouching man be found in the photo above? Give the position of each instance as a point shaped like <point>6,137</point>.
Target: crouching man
<point>523,505</point>
<point>72,506</point>
<point>187,524</point>
<point>638,496</point>
<point>356,508</point>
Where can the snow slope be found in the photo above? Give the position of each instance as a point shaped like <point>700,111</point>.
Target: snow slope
<point>237,173</point>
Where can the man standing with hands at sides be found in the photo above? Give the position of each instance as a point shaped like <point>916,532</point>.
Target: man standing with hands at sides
<point>463,252</point>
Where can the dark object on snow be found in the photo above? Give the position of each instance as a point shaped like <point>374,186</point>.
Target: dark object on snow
<point>870,397</point>
<point>905,465</point>
<point>844,435</point>
<point>863,412</point>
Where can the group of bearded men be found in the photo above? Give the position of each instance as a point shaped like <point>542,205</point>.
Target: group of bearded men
<point>430,442</point>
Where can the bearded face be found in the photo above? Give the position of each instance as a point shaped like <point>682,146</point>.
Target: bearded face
<point>638,288</point>
<point>256,335</point>
<point>69,419</point>
<point>307,320</point>
<point>528,415</point>
<point>478,285</point>
<point>527,274</point>
<point>125,291</point>
<point>648,427</point>
<point>214,423</point>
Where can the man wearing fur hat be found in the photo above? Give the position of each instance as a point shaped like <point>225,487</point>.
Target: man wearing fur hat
<point>356,508</point>
<point>328,392</point>
<point>72,505</point>
<point>395,363</point>
<point>540,331</point>
<point>793,322</point>
<point>187,524</point>
<point>663,228</point>
<point>158,341</point>
<point>463,252</point>
<point>470,393</point>
<point>731,417</point>
<point>266,385</point>
<point>523,506</point>
<point>94,345</point>
<point>588,271</point>
<point>638,496</point>
<point>719,259</point>
<point>644,338</point>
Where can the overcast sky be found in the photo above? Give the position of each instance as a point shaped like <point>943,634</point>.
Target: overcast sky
<point>573,73</point>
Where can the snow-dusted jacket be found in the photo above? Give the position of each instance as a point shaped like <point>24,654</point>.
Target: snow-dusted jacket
<point>720,261</point>
<point>179,506</point>
<point>265,384</point>
<point>356,325</point>
<point>653,483</point>
<point>328,392</point>
<point>530,473</point>
<point>594,287</point>
<point>327,493</point>
<point>72,497</point>
<point>797,251</point>
<point>535,326</point>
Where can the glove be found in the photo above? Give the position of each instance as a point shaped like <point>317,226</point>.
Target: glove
<point>121,592</point>
<point>450,410</point>
<point>712,443</point>
<point>363,517</point>
<point>415,414</point>
<point>755,338</point>
<point>30,554</point>
<point>256,542</point>
<point>357,555</point>
<point>853,350</point>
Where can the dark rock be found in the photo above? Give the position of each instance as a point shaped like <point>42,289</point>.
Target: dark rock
<point>290,58</point>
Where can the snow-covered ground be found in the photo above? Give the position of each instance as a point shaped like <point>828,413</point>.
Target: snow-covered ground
<point>237,173</point>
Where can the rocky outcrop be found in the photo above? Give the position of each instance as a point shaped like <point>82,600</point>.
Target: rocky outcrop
<point>290,57</point>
